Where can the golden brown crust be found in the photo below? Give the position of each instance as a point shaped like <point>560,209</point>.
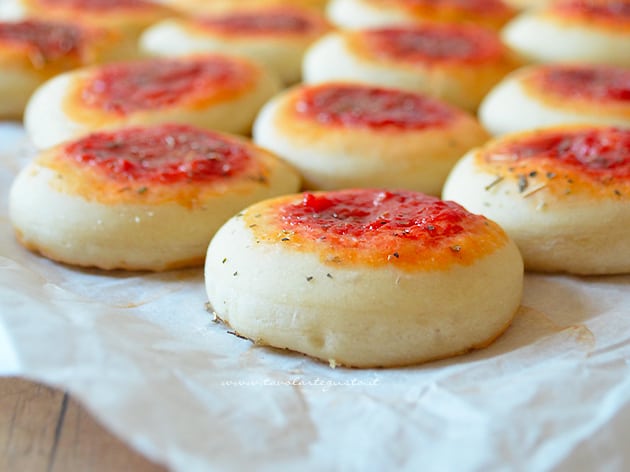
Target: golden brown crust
<point>91,184</point>
<point>534,83</point>
<point>479,238</point>
<point>78,110</point>
<point>548,175</point>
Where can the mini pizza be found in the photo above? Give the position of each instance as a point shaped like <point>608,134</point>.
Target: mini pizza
<point>341,135</point>
<point>379,13</point>
<point>547,95</point>
<point>562,194</point>
<point>594,31</point>
<point>211,91</point>
<point>364,277</point>
<point>276,36</point>
<point>140,198</point>
<point>456,63</point>
<point>126,17</point>
<point>32,51</point>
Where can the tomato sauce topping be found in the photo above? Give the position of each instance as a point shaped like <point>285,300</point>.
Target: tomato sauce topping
<point>595,83</point>
<point>97,4</point>
<point>592,162</point>
<point>269,21</point>
<point>371,107</point>
<point>432,43</point>
<point>363,214</point>
<point>615,10</point>
<point>164,154</point>
<point>377,227</point>
<point>45,41</point>
<point>123,88</point>
<point>598,153</point>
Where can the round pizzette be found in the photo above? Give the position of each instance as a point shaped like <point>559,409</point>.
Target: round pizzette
<point>563,194</point>
<point>556,94</point>
<point>457,63</point>
<point>594,31</point>
<point>378,13</point>
<point>276,36</point>
<point>364,278</point>
<point>125,17</point>
<point>33,51</point>
<point>341,135</point>
<point>212,91</point>
<point>140,198</point>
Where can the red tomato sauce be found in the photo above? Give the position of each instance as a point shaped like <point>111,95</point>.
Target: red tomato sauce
<point>430,43</point>
<point>362,106</point>
<point>123,88</point>
<point>367,214</point>
<point>615,10</point>
<point>270,21</point>
<point>48,40</point>
<point>596,83</point>
<point>599,153</point>
<point>161,154</point>
<point>371,227</point>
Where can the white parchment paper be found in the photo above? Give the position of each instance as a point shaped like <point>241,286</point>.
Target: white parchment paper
<point>140,351</point>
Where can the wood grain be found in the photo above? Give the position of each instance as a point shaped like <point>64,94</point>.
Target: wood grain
<point>44,429</point>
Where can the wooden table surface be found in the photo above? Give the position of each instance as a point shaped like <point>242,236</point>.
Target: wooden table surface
<point>43,429</point>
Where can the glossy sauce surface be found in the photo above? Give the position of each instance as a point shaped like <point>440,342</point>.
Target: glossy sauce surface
<point>362,106</point>
<point>268,21</point>
<point>162,154</point>
<point>359,214</point>
<point>44,41</point>
<point>169,163</point>
<point>405,229</point>
<point>596,83</point>
<point>434,43</point>
<point>123,88</point>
